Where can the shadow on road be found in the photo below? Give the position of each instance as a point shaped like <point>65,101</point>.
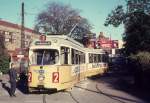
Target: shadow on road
<point>6,88</point>
<point>22,83</point>
<point>123,81</point>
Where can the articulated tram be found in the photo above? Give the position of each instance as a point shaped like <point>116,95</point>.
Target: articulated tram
<point>59,62</point>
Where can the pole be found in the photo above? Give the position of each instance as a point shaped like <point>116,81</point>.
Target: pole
<point>22,27</point>
<point>70,33</point>
<point>22,35</point>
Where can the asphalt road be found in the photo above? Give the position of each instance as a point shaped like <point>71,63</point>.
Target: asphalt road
<point>101,89</point>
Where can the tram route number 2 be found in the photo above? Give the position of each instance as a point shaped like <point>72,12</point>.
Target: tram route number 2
<point>55,77</point>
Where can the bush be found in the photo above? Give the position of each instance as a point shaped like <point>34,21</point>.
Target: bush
<point>141,68</point>
<point>143,59</point>
<point>4,64</point>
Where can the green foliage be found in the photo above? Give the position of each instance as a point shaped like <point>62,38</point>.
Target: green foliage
<point>138,6</point>
<point>137,35</point>
<point>136,20</point>
<point>116,17</point>
<point>4,59</point>
<point>4,63</point>
<point>143,58</point>
<point>120,15</point>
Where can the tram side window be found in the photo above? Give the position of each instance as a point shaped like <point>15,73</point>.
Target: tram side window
<point>64,55</point>
<point>76,57</point>
<point>73,56</point>
<point>82,58</point>
<point>91,58</point>
<point>100,57</point>
<point>104,58</point>
<point>96,58</point>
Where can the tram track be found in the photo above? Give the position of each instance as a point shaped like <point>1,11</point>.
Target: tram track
<point>71,95</point>
<point>99,91</point>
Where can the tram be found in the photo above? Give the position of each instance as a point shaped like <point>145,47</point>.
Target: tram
<point>59,62</point>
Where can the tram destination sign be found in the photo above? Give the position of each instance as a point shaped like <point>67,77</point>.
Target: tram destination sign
<point>42,43</point>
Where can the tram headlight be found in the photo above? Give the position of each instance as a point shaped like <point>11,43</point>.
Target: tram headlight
<point>41,77</point>
<point>55,40</point>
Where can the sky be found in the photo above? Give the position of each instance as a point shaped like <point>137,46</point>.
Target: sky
<point>95,11</point>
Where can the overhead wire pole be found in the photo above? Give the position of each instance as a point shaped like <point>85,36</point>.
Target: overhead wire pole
<point>22,36</point>
<point>22,26</point>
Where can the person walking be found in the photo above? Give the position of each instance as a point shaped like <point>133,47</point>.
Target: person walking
<point>13,77</point>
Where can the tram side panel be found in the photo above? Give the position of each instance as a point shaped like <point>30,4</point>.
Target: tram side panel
<point>94,66</point>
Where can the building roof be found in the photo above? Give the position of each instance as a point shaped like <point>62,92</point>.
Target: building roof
<point>16,26</point>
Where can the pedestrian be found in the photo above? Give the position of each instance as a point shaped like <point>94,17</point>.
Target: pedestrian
<point>13,78</point>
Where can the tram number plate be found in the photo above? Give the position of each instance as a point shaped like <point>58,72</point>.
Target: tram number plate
<point>55,77</point>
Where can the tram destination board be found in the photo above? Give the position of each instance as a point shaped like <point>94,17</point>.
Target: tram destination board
<point>42,43</point>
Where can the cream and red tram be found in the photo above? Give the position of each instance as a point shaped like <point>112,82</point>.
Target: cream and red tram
<point>59,62</point>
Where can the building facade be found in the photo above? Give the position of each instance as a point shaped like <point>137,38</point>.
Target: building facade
<point>12,35</point>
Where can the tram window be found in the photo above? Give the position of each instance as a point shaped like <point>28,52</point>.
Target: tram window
<point>95,58</point>
<point>104,58</point>
<point>45,57</point>
<point>64,55</point>
<point>72,55</point>
<point>99,57</point>
<point>76,56</point>
<point>82,58</point>
<point>90,58</point>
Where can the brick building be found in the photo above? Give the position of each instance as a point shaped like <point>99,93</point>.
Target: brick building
<point>12,41</point>
<point>12,35</point>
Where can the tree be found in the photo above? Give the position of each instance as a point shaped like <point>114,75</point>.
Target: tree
<point>137,35</point>
<point>4,58</point>
<point>2,46</point>
<point>136,22</point>
<point>120,15</point>
<point>60,19</point>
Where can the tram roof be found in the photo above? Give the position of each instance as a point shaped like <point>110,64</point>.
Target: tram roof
<point>65,40</point>
<point>61,40</point>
